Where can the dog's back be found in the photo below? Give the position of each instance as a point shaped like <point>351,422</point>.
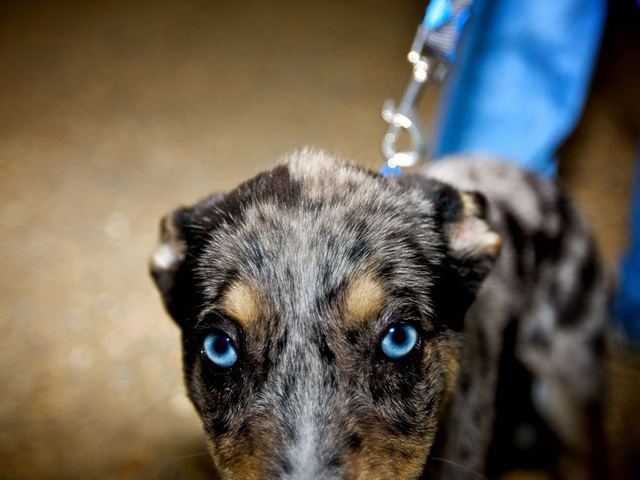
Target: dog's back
<point>531,374</point>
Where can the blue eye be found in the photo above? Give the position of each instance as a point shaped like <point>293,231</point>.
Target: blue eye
<point>399,341</point>
<point>219,350</point>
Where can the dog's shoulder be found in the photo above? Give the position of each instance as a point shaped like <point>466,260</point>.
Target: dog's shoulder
<point>534,335</point>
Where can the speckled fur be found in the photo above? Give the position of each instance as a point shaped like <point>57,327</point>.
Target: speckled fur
<point>534,335</point>
<point>312,395</point>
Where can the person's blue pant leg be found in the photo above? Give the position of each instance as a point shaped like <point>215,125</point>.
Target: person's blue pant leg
<point>521,78</point>
<point>517,91</point>
<point>627,308</point>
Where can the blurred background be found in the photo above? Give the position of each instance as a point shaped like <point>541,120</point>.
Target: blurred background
<point>112,113</point>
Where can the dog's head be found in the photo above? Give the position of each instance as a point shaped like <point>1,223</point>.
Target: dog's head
<point>321,307</point>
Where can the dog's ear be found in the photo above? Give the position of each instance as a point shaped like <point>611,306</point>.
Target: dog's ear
<point>471,253</point>
<point>471,246</point>
<point>171,265</point>
<point>187,231</point>
<point>168,267</point>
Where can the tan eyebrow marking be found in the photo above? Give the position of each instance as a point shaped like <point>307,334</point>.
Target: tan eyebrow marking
<point>241,302</point>
<point>364,298</point>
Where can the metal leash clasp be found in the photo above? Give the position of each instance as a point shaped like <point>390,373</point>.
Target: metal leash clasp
<point>407,118</point>
<point>432,51</point>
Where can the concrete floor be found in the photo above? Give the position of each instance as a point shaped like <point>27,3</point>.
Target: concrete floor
<point>112,113</point>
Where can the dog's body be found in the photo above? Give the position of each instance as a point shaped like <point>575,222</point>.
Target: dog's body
<point>307,270</point>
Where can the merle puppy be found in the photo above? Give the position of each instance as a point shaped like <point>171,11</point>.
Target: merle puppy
<point>340,325</point>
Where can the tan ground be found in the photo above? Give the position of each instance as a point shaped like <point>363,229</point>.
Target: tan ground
<point>113,113</point>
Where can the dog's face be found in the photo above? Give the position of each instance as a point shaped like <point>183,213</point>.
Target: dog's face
<point>321,308</point>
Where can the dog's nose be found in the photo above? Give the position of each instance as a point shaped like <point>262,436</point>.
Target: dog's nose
<point>310,454</point>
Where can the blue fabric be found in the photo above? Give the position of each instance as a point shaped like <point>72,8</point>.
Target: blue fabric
<point>627,308</point>
<point>521,78</point>
<point>517,91</point>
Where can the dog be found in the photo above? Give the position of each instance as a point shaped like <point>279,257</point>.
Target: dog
<point>336,324</point>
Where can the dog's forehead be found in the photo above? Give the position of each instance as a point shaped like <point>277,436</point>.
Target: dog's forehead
<point>324,230</point>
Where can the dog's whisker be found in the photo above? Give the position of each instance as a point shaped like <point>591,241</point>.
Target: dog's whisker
<point>457,465</point>
<point>182,458</point>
